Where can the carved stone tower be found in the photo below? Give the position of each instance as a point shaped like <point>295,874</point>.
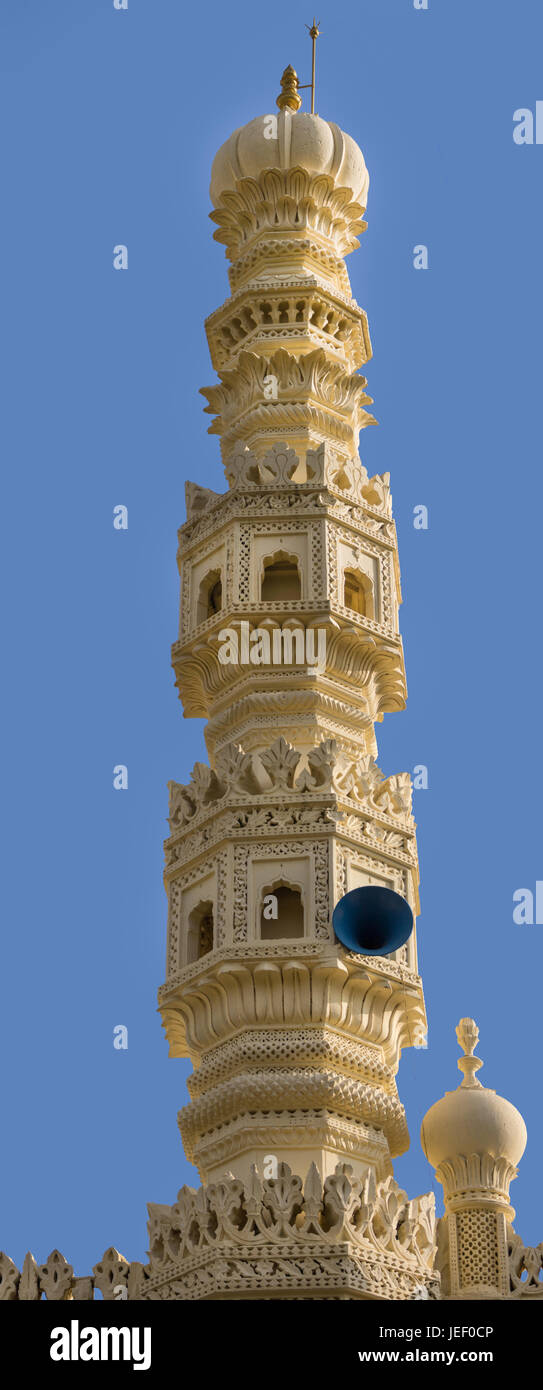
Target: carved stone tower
<point>289,645</point>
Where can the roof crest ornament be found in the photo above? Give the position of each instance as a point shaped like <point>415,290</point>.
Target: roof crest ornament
<point>467,1033</point>
<point>289,97</point>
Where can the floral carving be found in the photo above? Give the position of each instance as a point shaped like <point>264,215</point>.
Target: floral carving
<point>280,762</point>
<point>9,1279</point>
<point>525,1268</point>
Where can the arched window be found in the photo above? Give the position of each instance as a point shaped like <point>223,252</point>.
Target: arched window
<point>281,578</point>
<point>209,596</point>
<point>356,592</point>
<point>200,932</point>
<point>281,913</point>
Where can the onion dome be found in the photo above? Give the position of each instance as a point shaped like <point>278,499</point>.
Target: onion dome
<point>472,1120</point>
<point>293,139</point>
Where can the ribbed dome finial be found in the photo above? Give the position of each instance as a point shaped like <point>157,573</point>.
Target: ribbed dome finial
<point>289,97</point>
<point>473,1119</point>
<point>467,1033</point>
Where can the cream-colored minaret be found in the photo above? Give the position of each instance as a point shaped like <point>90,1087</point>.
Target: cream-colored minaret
<point>294,1115</point>
<point>295,1041</point>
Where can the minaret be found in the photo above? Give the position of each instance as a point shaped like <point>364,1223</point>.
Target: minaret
<point>295,1041</point>
<point>289,646</point>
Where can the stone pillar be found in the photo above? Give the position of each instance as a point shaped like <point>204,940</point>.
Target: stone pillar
<point>474,1139</point>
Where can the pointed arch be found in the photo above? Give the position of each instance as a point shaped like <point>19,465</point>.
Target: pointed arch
<point>280,578</point>
<point>200,934</point>
<point>288,919</point>
<point>209,596</point>
<point>358,592</point>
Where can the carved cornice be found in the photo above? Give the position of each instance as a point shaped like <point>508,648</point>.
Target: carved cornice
<point>296,312</point>
<point>273,253</point>
<point>300,714</point>
<point>283,1237</point>
<point>315,398</point>
<point>301,1131</point>
<point>322,481</point>
<point>274,1090</point>
<point>280,773</point>
<point>291,202</point>
<point>113,1277</point>
<point>282,467</point>
<point>226,993</point>
<point>360,655</point>
<point>478,1179</point>
<point>310,1047</point>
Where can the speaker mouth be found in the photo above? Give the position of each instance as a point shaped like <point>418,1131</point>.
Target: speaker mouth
<point>372,920</point>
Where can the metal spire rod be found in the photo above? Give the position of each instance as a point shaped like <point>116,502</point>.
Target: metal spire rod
<point>314,31</point>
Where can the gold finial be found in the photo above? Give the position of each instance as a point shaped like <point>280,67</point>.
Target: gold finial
<point>289,97</point>
<point>467,1033</point>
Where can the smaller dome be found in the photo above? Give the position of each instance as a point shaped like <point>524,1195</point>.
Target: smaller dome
<point>472,1119</point>
<point>288,140</point>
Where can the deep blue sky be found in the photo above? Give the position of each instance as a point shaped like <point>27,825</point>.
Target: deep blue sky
<point>110,121</point>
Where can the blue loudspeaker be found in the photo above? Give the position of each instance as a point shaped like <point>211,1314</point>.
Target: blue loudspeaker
<point>373,920</point>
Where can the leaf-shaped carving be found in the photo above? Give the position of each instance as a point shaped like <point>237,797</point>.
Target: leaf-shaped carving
<point>312,376</point>
<point>312,1208</point>
<point>280,762</point>
<point>56,1277</point>
<point>198,500</point>
<point>29,1289</point>
<point>322,762</point>
<point>281,461</point>
<point>9,1279</point>
<point>341,1200</point>
<point>283,1198</point>
<point>394,795</point>
<point>111,1273</point>
<point>390,1211</point>
<point>204,785</point>
<point>237,769</point>
<point>182,805</point>
<point>226,1204</point>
